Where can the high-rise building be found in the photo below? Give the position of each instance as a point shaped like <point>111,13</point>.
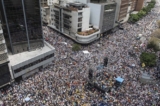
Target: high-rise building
<point>5,76</point>
<point>139,5</point>
<point>21,23</point>
<point>103,14</point>
<point>22,31</point>
<point>133,4</point>
<point>123,9</point>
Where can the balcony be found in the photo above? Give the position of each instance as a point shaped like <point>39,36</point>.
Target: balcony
<point>66,22</point>
<point>1,31</point>
<point>56,18</point>
<point>79,25</point>
<point>67,27</point>
<point>87,36</point>
<point>80,14</point>
<point>87,32</point>
<point>1,37</point>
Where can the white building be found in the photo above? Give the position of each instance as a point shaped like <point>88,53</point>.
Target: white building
<point>45,14</point>
<point>48,2</point>
<point>73,19</point>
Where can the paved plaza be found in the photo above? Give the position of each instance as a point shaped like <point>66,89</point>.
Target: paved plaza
<point>63,82</point>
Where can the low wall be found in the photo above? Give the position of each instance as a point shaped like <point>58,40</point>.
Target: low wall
<point>88,38</point>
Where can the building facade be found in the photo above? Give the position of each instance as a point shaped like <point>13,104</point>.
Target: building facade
<point>5,76</point>
<point>103,15</point>
<point>22,26</point>
<point>45,13</point>
<point>73,19</point>
<point>139,5</point>
<point>22,32</point>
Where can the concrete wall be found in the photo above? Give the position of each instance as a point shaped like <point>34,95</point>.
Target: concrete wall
<point>74,21</point>
<point>95,14</point>
<point>85,18</point>
<point>117,10</point>
<point>82,1</point>
<point>33,67</point>
<point>88,38</point>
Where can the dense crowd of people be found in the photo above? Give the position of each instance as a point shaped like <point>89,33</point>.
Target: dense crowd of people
<point>63,83</point>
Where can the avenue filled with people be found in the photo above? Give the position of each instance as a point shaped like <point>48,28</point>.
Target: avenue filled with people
<point>63,83</point>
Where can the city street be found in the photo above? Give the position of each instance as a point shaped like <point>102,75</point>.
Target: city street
<point>63,82</point>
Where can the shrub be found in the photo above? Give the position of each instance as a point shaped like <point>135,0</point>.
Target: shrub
<point>149,59</point>
<point>158,22</point>
<point>135,17</point>
<point>141,13</point>
<point>153,45</point>
<point>156,33</point>
<point>76,47</point>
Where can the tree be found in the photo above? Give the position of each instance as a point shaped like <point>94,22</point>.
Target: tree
<point>153,45</point>
<point>158,22</point>
<point>149,59</point>
<point>133,18</point>
<point>76,47</point>
<point>156,34</point>
<point>141,13</point>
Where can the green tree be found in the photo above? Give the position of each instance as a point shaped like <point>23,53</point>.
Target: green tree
<point>149,59</point>
<point>141,13</point>
<point>133,18</point>
<point>158,22</point>
<point>153,45</point>
<point>76,47</point>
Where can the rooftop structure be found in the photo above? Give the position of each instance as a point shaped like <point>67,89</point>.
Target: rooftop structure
<point>29,62</point>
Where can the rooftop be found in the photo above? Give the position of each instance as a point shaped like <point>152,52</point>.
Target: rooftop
<point>76,6</point>
<point>24,56</point>
<point>88,32</point>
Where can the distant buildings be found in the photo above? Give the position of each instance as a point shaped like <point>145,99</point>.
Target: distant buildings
<point>85,20</point>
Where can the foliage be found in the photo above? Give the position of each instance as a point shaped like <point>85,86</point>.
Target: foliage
<point>135,17</point>
<point>158,22</point>
<point>149,59</point>
<point>156,34</point>
<point>153,45</point>
<point>141,13</point>
<point>76,47</point>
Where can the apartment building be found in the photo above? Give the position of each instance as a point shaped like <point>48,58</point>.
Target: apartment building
<point>45,14</point>
<point>47,2</point>
<point>123,9</point>
<point>5,76</point>
<point>139,5</point>
<point>103,14</point>
<point>133,4</point>
<point>71,19</point>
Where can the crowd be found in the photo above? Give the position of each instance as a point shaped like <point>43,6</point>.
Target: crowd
<point>63,82</point>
